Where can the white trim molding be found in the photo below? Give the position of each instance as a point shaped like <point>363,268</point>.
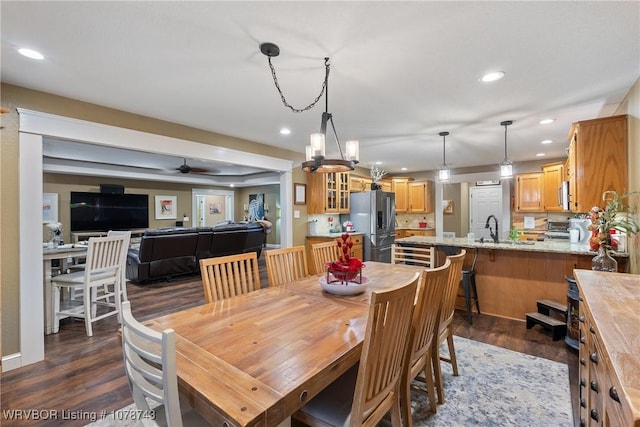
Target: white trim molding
<point>33,126</point>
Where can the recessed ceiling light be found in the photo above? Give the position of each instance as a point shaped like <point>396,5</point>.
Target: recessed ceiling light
<point>546,121</point>
<point>231,185</point>
<point>403,169</point>
<point>378,162</point>
<point>546,141</point>
<point>540,155</point>
<point>285,131</point>
<point>30,53</point>
<point>493,76</point>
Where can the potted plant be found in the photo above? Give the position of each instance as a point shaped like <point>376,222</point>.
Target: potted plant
<point>616,217</point>
<point>376,175</point>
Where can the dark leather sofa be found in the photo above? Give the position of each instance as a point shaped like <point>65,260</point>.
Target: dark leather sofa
<point>165,253</point>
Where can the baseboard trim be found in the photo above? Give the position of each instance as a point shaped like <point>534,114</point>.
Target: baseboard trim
<point>11,361</point>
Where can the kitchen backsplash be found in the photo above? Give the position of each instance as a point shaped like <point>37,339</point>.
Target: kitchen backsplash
<point>326,223</point>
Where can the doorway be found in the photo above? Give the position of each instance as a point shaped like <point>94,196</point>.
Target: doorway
<point>212,206</point>
<point>484,201</point>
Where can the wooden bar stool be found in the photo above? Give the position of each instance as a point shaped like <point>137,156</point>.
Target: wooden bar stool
<point>468,280</point>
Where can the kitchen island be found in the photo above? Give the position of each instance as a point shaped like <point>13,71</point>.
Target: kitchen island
<point>512,276</point>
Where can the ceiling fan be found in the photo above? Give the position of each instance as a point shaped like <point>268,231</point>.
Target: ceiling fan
<point>185,168</point>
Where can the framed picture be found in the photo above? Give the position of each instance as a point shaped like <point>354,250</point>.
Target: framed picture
<point>49,207</point>
<point>166,207</point>
<point>447,206</point>
<point>256,207</point>
<point>299,194</point>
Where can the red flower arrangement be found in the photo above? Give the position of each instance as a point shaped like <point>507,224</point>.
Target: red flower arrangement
<point>346,268</point>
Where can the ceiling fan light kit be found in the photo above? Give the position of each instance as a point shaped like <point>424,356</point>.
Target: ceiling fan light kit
<point>315,160</point>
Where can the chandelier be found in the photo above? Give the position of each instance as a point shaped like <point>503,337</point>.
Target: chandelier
<point>315,160</point>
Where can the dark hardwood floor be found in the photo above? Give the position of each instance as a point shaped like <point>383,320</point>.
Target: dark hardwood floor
<point>83,376</point>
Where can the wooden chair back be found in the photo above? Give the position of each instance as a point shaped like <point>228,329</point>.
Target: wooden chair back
<point>413,255</point>
<point>423,328</point>
<point>286,265</point>
<point>228,276</point>
<point>127,242</point>
<point>323,253</point>
<point>150,365</point>
<point>451,290</point>
<point>383,355</point>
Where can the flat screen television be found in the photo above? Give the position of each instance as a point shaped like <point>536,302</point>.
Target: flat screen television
<point>103,211</point>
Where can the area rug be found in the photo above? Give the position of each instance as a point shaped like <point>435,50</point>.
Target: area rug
<point>496,387</point>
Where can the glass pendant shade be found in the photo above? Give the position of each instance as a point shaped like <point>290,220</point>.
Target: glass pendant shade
<point>317,145</point>
<point>444,174</point>
<point>352,150</point>
<point>308,152</point>
<point>506,169</point>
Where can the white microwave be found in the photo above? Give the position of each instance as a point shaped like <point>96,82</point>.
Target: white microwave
<point>563,196</point>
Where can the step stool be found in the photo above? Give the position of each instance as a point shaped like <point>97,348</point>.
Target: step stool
<point>543,317</point>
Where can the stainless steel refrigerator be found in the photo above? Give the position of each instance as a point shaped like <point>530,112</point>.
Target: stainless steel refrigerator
<point>373,213</point>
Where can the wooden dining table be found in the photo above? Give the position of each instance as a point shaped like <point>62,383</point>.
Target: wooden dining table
<point>254,359</point>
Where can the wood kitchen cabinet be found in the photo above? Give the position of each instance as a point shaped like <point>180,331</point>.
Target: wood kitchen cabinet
<point>386,185</point>
<point>359,183</point>
<point>328,192</point>
<point>552,177</point>
<point>608,352</point>
<point>528,189</point>
<point>401,189</point>
<point>420,197</point>
<point>598,153</point>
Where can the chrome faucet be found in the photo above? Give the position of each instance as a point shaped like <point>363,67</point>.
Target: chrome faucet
<point>493,235</point>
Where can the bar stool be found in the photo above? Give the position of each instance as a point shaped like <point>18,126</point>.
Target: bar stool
<point>468,279</point>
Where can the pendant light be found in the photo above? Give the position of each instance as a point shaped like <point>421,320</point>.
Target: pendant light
<point>315,160</point>
<point>444,174</point>
<point>506,166</point>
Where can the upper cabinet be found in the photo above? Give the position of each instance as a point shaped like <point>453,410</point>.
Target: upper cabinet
<point>328,193</point>
<point>598,154</point>
<point>528,189</point>
<point>359,183</point>
<point>400,187</point>
<point>420,197</point>
<point>552,177</point>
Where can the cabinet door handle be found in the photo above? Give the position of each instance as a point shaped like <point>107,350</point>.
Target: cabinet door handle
<point>594,357</point>
<point>582,340</point>
<point>593,331</point>
<point>594,386</point>
<point>613,393</point>
<point>594,414</point>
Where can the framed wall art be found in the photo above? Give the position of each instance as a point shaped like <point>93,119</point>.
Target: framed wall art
<point>299,194</point>
<point>166,207</point>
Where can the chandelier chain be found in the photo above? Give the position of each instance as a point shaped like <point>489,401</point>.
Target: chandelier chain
<point>315,101</point>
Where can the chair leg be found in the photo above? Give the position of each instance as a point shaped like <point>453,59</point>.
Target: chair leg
<point>467,296</point>
<point>396,417</point>
<point>89,309</point>
<point>428,380</point>
<point>452,353</point>
<point>55,307</point>
<point>437,372</point>
<point>475,291</point>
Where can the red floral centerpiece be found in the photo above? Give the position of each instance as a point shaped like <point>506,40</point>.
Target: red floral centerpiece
<point>346,268</point>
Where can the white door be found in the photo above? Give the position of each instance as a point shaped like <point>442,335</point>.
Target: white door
<point>484,201</point>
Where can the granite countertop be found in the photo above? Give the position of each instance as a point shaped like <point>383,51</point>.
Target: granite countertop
<point>550,246</point>
<point>334,235</point>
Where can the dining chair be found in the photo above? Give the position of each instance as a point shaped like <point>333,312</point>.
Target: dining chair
<point>323,253</point>
<point>413,255</point>
<point>371,389</point>
<point>227,276</point>
<point>421,341</point>
<point>286,265</point>
<point>100,282</point>
<point>445,331</point>
<point>150,365</point>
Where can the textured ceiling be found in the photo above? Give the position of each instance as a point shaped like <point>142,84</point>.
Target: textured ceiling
<point>400,71</point>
